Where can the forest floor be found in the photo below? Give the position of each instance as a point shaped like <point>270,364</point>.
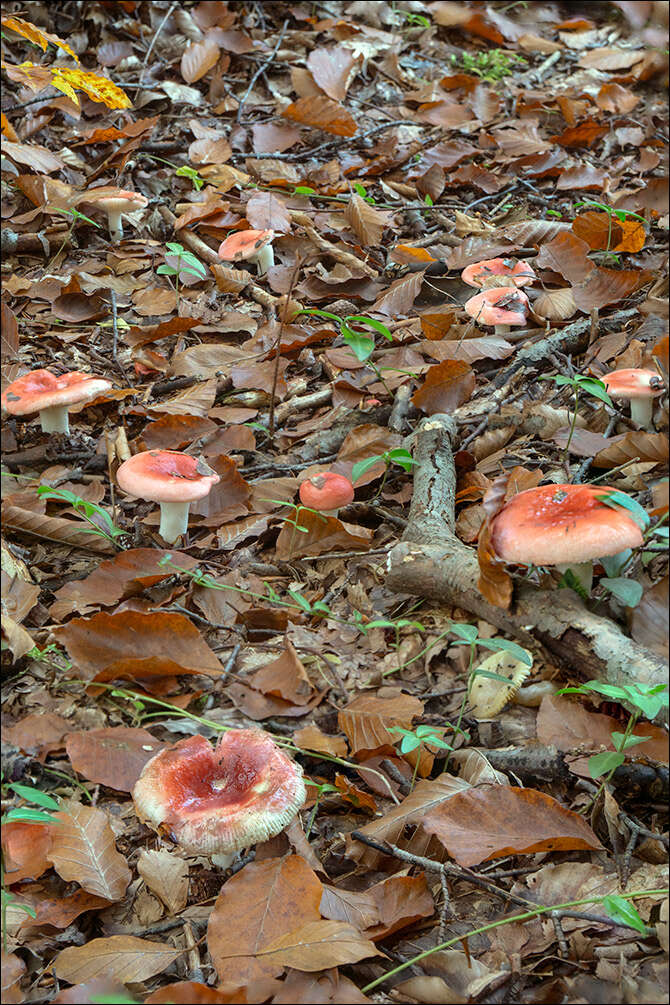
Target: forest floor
<point>470,833</point>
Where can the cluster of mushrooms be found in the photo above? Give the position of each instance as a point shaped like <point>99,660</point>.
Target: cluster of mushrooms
<point>218,801</point>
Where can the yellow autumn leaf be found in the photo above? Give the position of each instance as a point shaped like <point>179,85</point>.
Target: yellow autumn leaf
<point>36,35</point>
<point>98,88</point>
<point>61,84</point>
<point>8,129</point>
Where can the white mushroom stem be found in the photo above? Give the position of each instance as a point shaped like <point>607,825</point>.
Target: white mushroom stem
<point>225,861</point>
<point>501,329</point>
<point>582,571</point>
<point>174,520</point>
<point>264,260</point>
<point>114,224</point>
<point>55,419</point>
<point>642,410</point>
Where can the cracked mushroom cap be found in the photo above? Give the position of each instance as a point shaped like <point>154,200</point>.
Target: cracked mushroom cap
<point>502,305</point>
<point>631,384</point>
<point>519,273</point>
<point>562,525</point>
<point>166,476</point>
<point>216,801</point>
<point>326,491</point>
<point>42,389</point>
<point>244,244</point>
<point>115,200</point>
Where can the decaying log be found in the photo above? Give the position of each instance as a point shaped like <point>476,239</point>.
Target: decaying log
<point>430,561</point>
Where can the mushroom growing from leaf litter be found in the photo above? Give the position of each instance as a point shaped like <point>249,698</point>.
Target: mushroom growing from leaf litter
<point>640,387</point>
<point>498,272</point>
<point>216,801</point>
<point>170,478</point>
<point>501,307</point>
<point>115,202</point>
<point>567,526</point>
<point>326,492</point>
<point>42,391</point>
<point>254,246</point>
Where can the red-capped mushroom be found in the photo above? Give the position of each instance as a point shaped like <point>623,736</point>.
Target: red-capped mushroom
<point>326,492</point>
<point>493,271</point>
<point>217,801</point>
<point>501,307</point>
<point>115,202</point>
<point>42,391</point>
<point>567,526</point>
<point>253,246</point>
<point>640,387</point>
<point>170,478</point>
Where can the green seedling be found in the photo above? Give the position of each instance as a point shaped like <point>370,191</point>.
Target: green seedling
<point>589,385</point>
<point>413,20</point>
<point>398,455</point>
<point>75,216</point>
<point>188,172</point>
<point>490,66</point>
<point>412,739</point>
<point>362,191</point>
<point>620,214</point>
<point>361,344</point>
<point>645,700</point>
<point>322,789</point>
<point>178,261</point>
<point>101,522</point>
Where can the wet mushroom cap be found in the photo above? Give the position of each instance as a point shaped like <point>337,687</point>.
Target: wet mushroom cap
<point>166,476</point>
<point>503,305</point>
<point>519,273</point>
<point>561,525</point>
<point>326,491</point>
<point>215,801</point>
<point>632,383</point>
<point>41,389</point>
<point>244,244</point>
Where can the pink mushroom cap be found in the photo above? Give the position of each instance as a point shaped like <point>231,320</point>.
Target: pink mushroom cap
<point>633,383</point>
<point>41,389</point>
<point>502,305</point>
<point>166,476</point>
<point>215,801</point>
<point>326,491</point>
<point>519,273</point>
<point>244,244</point>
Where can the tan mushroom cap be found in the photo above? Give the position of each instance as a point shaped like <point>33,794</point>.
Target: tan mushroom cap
<point>109,198</point>
<point>562,525</point>
<point>41,389</point>
<point>215,801</point>
<point>244,244</point>
<point>518,273</point>
<point>503,305</point>
<point>632,383</point>
<point>166,476</point>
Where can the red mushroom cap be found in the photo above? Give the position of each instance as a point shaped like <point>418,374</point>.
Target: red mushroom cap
<point>166,476</point>
<point>215,801</point>
<point>561,525</point>
<point>503,305</point>
<point>633,383</point>
<point>519,273</point>
<point>326,491</point>
<point>42,389</point>
<point>244,244</point>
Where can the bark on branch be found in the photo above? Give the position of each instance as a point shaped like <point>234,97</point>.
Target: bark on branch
<point>431,561</point>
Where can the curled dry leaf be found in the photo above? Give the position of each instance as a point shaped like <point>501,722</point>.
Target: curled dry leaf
<point>366,222</point>
<point>166,875</point>
<point>13,969</point>
<point>634,446</point>
<point>492,821</point>
<point>556,305</point>
<point>365,721</point>
<point>332,69</point>
<point>649,620</point>
<point>267,211</point>
<point>25,848</point>
<point>323,534</point>
<point>198,59</point>
<point>83,851</point>
<point>54,528</point>
<point>321,113</point>
<point>447,385</point>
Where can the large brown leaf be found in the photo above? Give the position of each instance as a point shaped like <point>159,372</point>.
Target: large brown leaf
<point>399,298</point>
<point>332,70</point>
<point>266,211</point>
<point>566,254</point>
<point>634,446</point>
<point>166,875</point>
<point>25,848</point>
<point>324,534</point>
<point>322,113</point>
<point>608,286</point>
<point>122,957</point>
<point>320,945</point>
<point>135,645</point>
<point>649,620</point>
<point>54,528</point>
<point>83,851</point>
<point>366,222</point>
<point>114,756</point>
<point>255,907</point>
<point>493,821</point>
<point>447,385</point>
<point>366,719</point>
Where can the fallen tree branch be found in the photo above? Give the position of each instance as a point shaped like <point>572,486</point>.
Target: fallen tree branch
<point>432,562</point>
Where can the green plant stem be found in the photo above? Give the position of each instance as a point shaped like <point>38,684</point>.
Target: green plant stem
<point>566,452</point>
<point>525,916</point>
<point>461,711</point>
<point>630,726</point>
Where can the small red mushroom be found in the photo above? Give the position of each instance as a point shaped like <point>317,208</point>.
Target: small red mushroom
<point>170,478</point>
<point>501,307</point>
<point>486,273</point>
<point>42,391</point>
<point>254,246</point>
<point>567,526</point>
<point>115,202</point>
<point>326,492</point>
<point>217,801</point>
<point>640,387</point>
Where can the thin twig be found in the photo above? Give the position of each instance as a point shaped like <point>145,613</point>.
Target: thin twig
<point>153,42</point>
<point>261,69</point>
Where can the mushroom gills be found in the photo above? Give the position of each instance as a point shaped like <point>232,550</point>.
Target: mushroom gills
<point>174,520</point>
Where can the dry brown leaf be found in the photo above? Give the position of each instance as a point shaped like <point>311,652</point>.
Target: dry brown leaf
<point>113,756</point>
<point>198,59</point>
<point>555,305</point>
<point>83,851</point>
<point>323,534</point>
<point>332,69</point>
<point>366,222</point>
<point>54,528</point>
<point>602,287</point>
<point>649,620</point>
<point>634,446</point>
<point>13,969</point>
<point>494,583</point>
<point>196,400</point>
<point>267,211</point>
<point>366,719</point>
<point>25,847</point>
<point>604,232</point>
<point>120,957</point>
<point>469,350</point>
<point>399,298</point>
<point>311,738</point>
<point>447,385</point>
<point>320,945</point>
<point>492,821</point>
<point>166,875</point>
<point>322,113</point>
